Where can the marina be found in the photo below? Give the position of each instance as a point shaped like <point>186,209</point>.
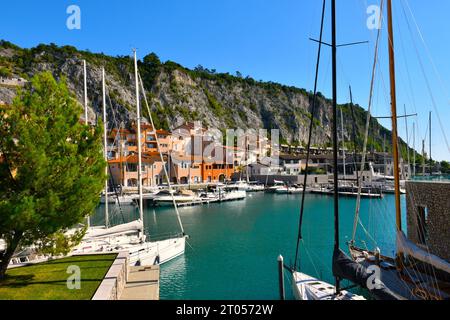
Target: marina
<point>245,237</point>
<point>127,175</point>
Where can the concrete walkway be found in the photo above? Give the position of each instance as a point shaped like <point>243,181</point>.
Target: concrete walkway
<point>142,284</point>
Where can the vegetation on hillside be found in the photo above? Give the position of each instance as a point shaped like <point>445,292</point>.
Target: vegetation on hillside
<point>151,68</point>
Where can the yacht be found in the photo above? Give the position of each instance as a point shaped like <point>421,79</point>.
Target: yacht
<point>181,197</point>
<point>292,189</point>
<point>276,184</point>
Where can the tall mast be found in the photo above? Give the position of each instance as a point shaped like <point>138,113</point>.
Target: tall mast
<point>343,143</point>
<point>431,160</point>
<point>335,138</point>
<point>423,158</point>
<point>384,156</point>
<point>138,134</point>
<point>105,146</point>
<point>85,94</point>
<point>407,143</point>
<point>85,113</point>
<point>414,149</point>
<point>394,116</point>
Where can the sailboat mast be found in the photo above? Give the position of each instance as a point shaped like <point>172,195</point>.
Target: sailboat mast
<point>343,144</point>
<point>407,143</point>
<point>423,157</point>
<point>414,149</point>
<point>105,147</point>
<point>85,94</point>
<point>85,115</point>
<point>335,138</point>
<point>138,134</point>
<point>431,160</point>
<point>394,117</point>
<point>384,156</point>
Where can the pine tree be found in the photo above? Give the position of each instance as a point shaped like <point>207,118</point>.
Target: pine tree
<point>51,166</point>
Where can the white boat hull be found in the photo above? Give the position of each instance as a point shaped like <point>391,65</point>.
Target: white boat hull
<point>305,287</point>
<point>168,201</point>
<point>146,253</point>
<point>288,190</point>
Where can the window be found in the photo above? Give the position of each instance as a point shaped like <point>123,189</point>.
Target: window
<point>132,167</point>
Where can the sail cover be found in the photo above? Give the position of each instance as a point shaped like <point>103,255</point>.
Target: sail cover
<point>346,268</point>
<point>406,246</point>
<point>130,227</point>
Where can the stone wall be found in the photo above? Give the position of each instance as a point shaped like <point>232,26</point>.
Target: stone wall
<point>435,197</point>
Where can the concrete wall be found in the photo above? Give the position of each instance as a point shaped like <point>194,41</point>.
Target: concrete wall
<point>114,282</point>
<point>435,197</point>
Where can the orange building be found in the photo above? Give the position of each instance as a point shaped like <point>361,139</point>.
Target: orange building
<point>220,165</point>
<point>124,170</point>
<point>214,171</point>
<point>122,142</point>
<point>185,169</point>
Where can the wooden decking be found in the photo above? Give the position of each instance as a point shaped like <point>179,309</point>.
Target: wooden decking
<point>142,284</point>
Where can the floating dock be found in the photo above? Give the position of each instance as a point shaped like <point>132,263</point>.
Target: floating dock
<point>348,194</point>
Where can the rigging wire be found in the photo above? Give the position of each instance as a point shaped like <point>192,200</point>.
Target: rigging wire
<point>433,101</point>
<point>366,134</point>
<point>311,127</point>
<point>160,153</point>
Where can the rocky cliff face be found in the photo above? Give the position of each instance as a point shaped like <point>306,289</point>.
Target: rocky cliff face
<point>177,94</point>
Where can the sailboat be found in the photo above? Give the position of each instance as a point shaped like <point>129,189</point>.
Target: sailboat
<point>131,237</point>
<point>304,286</point>
<point>408,274</point>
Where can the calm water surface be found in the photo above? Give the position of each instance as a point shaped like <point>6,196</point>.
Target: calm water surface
<point>233,247</point>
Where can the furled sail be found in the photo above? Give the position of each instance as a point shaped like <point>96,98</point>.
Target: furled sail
<point>346,268</point>
<point>130,227</point>
<point>407,247</point>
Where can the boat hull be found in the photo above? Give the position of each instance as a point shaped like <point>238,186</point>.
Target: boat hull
<point>146,253</point>
<point>305,287</point>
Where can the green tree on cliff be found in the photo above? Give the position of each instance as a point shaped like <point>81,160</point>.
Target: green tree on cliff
<point>51,166</point>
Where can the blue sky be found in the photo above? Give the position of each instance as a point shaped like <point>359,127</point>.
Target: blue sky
<point>267,40</point>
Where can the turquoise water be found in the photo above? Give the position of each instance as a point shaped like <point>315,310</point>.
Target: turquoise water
<point>233,247</point>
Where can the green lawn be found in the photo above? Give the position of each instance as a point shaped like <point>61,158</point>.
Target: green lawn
<point>48,280</point>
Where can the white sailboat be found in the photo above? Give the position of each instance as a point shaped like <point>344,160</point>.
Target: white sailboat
<point>130,236</point>
<point>182,197</point>
<point>255,186</point>
<point>305,287</point>
<point>276,184</point>
<point>292,189</point>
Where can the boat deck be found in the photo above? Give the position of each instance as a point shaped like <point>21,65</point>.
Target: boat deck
<point>306,287</point>
<point>411,284</point>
